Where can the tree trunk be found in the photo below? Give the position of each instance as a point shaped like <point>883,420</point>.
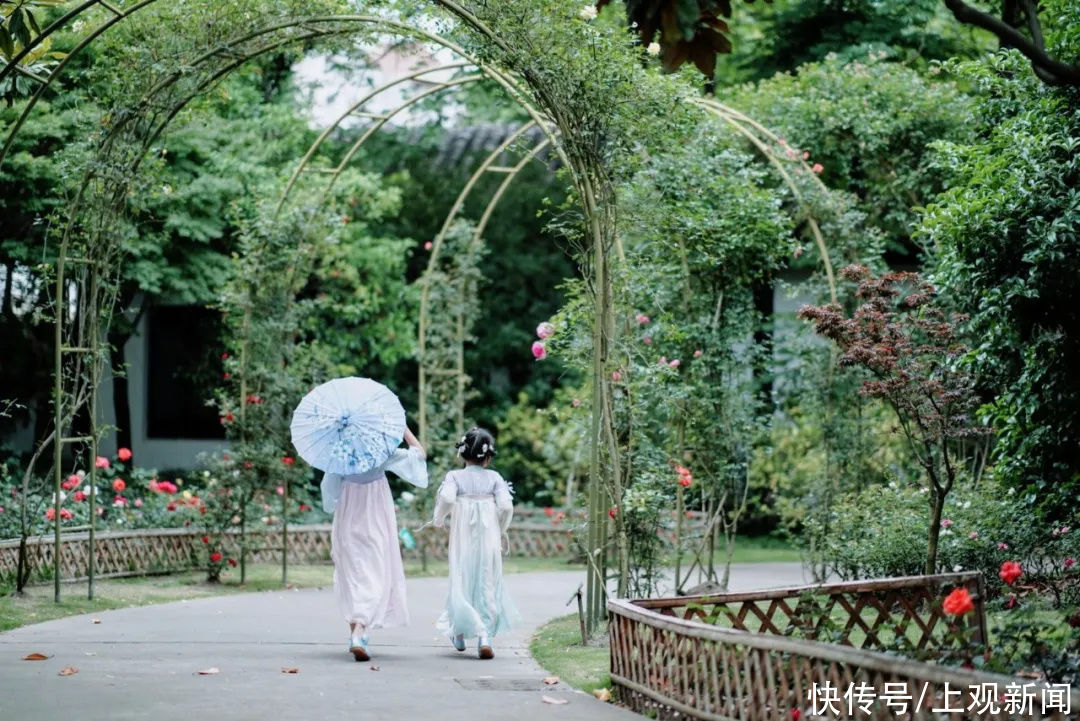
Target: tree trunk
<point>764,304</point>
<point>937,504</point>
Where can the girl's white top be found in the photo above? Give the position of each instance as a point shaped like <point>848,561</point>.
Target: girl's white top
<point>475,483</point>
<point>406,463</point>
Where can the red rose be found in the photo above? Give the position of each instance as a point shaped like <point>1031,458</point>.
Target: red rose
<point>232,562</point>
<point>224,356</point>
<point>79,496</point>
<point>119,485</point>
<point>206,539</point>
<point>72,481</point>
<point>796,714</point>
<point>612,512</point>
<point>549,511</point>
<point>202,510</point>
<point>248,464</point>
<point>225,376</point>
<point>215,557</point>
<point>958,603</point>
<point>170,507</point>
<point>66,515</point>
<point>1010,571</point>
<point>288,460</point>
<point>124,454</point>
<point>50,513</point>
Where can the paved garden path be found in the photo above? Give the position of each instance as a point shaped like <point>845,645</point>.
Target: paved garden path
<point>142,663</point>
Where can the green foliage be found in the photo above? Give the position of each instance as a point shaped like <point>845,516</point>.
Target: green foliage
<point>797,32</point>
<point>868,123</point>
<point>1006,239</point>
<point>544,450</point>
<point>880,532</point>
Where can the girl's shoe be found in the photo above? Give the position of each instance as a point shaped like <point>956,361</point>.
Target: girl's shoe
<point>483,649</point>
<point>459,642</point>
<point>358,648</point>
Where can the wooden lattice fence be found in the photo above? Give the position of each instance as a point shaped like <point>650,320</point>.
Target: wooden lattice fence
<point>669,662</point>
<point>894,614</point>
<point>142,552</point>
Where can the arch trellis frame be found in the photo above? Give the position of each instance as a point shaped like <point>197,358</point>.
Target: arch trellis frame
<point>587,187</point>
<point>593,186</point>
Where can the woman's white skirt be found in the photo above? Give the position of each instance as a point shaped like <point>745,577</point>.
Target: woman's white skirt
<point>369,580</point>
<point>477,604</point>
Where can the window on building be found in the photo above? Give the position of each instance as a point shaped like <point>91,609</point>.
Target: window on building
<point>184,368</point>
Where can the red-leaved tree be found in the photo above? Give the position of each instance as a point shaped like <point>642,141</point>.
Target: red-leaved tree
<point>908,347</point>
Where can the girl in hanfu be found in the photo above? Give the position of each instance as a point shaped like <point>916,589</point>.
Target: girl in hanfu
<point>369,580</point>
<point>480,507</point>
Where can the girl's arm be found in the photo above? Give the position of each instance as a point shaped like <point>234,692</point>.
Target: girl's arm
<point>411,442</point>
<point>504,503</point>
<point>444,500</point>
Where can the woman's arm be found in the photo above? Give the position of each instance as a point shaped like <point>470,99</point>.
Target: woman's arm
<point>411,442</point>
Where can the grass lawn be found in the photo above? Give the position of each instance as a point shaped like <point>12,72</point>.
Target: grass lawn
<point>749,549</point>
<point>557,648</point>
<point>37,604</point>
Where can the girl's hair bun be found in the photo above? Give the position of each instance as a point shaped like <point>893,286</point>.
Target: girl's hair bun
<point>477,445</point>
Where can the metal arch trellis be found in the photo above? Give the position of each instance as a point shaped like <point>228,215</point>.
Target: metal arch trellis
<point>594,191</point>
<point>62,419</point>
<point>510,172</point>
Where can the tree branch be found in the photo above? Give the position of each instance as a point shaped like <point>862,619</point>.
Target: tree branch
<point>1050,70</point>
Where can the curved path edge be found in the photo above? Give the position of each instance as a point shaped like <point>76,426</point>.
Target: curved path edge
<point>143,663</point>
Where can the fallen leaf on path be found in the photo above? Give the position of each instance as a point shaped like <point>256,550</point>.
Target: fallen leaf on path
<point>68,671</point>
<point>35,657</point>
<point>554,701</point>
<point>290,670</point>
<point>602,694</point>
<point>208,671</point>
<point>374,668</point>
<point>97,620</point>
<point>551,680</point>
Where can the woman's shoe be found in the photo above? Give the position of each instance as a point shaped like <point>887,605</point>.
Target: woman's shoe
<point>358,648</point>
<point>483,649</point>
<point>459,642</point>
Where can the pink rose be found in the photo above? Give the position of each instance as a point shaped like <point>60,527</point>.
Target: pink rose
<point>1069,562</point>
<point>101,462</point>
<point>647,340</point>
<point>641,318</point>
<point>616,376</point>
<point>675,363</point>
<point>576,403</point>
<point>698,353</point>
<point>539,351</point>
<point>545,330</point>
<point>946,523</point>
<point>124,454</point>
<point>138,503</point>
<point>428,245</point>
<point>817,168</point>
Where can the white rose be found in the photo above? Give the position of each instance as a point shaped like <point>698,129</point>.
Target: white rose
<point>588,12</point>
<point>653,49</point>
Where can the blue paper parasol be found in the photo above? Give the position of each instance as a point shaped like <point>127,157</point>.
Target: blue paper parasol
<point>348,425</point>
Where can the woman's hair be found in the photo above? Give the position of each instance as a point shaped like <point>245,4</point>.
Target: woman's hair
<point>477,445</point>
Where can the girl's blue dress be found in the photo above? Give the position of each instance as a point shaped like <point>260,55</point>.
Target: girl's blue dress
<point>480,507</point>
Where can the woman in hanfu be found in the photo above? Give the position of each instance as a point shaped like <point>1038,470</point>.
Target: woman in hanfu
<point>369,579</point>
